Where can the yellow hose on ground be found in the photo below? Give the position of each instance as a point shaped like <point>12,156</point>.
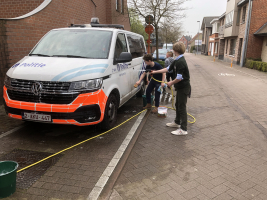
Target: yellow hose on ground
<point>80,142</point>
<point>96,136</point>
<point>173,101</point>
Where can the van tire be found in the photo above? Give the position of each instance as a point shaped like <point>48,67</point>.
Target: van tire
<point>142,90</point>
<point>110,115</point>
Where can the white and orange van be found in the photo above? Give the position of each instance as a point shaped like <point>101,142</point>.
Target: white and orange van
<point>78,75</point>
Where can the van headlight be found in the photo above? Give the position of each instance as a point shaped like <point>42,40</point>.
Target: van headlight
<point>87,85</point>
<point>7,81</point>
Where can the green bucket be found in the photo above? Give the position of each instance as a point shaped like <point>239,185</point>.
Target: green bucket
<point>8,175</point>
<point>144,99</point>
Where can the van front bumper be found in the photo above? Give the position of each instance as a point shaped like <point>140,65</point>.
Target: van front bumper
<point>86,109</point>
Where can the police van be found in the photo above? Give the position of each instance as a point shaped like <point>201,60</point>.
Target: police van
<point>78,75</point>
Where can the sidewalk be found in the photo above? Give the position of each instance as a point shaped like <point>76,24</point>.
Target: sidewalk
<point>6,122</point>
<point>224,155</point>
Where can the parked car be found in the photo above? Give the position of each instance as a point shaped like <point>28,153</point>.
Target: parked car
<point>167,46</point>
<point>162,54</point>
<point>78,75</point>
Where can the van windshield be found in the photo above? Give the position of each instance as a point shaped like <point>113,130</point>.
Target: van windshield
<point>93,44</point>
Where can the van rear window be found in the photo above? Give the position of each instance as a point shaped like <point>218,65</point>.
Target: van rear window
<point>93,44</point>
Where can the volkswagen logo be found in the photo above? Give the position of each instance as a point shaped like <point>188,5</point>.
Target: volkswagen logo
<point>36,88</point>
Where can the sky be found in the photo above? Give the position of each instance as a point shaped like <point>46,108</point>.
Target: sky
<point>199,9</point>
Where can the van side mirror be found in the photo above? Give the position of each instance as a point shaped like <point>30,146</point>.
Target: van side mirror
<point>124,57</point>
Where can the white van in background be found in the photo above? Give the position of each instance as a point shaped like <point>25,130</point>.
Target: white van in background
<point>167,46</point>
<point>78,75</point>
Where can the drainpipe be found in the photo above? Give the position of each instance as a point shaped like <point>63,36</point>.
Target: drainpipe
<point>245,44</point>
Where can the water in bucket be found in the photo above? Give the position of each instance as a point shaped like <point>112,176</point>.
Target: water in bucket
<point>8,175</point>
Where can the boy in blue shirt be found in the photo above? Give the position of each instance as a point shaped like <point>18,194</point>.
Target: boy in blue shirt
<point>150,65</point>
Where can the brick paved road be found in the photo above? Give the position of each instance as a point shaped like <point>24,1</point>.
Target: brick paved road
<point>78,170</point>
<point>223,157</point>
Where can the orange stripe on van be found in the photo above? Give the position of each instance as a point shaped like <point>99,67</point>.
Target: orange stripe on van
<point>98,97</point>
<point>15,116</point>
<point>27,106</point>
<point>60,121</point>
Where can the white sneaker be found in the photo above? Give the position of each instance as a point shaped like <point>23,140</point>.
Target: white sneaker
<point>173,124</point>
<point>179,132</point>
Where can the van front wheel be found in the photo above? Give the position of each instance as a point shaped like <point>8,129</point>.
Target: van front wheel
<point>110,114</point>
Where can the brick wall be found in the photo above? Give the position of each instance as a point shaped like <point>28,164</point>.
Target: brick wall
<point>16,8</point>
<point>18,37</point>
<point>184,40</point>
<point>3,54</point>
<point>258,18</point>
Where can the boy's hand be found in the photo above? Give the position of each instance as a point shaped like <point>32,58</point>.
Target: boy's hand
<point>137,83</point>
<point>162,84</point>
<point>169,84</point>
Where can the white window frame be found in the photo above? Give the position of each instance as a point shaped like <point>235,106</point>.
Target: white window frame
<point>229,19</point>
<point>117,7</point>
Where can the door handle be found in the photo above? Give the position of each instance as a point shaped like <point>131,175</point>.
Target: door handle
<point>129,63</point>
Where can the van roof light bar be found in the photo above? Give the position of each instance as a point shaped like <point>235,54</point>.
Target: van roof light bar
<point>118,26</point>
<point>80,25</point>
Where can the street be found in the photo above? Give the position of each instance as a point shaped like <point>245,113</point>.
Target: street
<point>224,155</point>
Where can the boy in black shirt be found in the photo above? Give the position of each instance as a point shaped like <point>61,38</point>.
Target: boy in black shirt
<point>182,86</point>
<point>150,65</point>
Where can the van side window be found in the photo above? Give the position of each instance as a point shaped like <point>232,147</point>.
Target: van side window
<point>136,44</point>
<point>121,45</point>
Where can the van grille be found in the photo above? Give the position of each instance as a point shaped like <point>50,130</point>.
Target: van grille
<point>52,92</point>
<point>48,86</point>
<point>42,98</point>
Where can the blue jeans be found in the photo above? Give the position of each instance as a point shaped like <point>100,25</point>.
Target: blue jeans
<point>153,84</point>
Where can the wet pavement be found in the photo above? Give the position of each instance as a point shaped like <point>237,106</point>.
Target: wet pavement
<point>72,174</point>
<point>224,155</point>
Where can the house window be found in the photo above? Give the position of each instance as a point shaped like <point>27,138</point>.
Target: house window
<point>244,14</point>
<point>122,6</point>
<point>117,5</point>
<point>216,47</point>
<point>229,19</point>
<point>232,47</point>
<point>238,17</point>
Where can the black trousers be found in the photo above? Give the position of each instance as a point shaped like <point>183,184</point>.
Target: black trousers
<point>153,84</point>
<point>181,112</point>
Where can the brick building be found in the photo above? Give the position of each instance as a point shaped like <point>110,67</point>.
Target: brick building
<point>206,28</point>
<point>24,22</point>
<point>185,39</point>
<point>214,39</point>
<point>233,27</point>
<point>194,40</point>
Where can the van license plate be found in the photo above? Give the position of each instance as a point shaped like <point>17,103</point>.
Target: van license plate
<point>37,117</point>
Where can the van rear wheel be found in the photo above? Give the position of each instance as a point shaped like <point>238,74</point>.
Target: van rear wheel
<point>110,115</point>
